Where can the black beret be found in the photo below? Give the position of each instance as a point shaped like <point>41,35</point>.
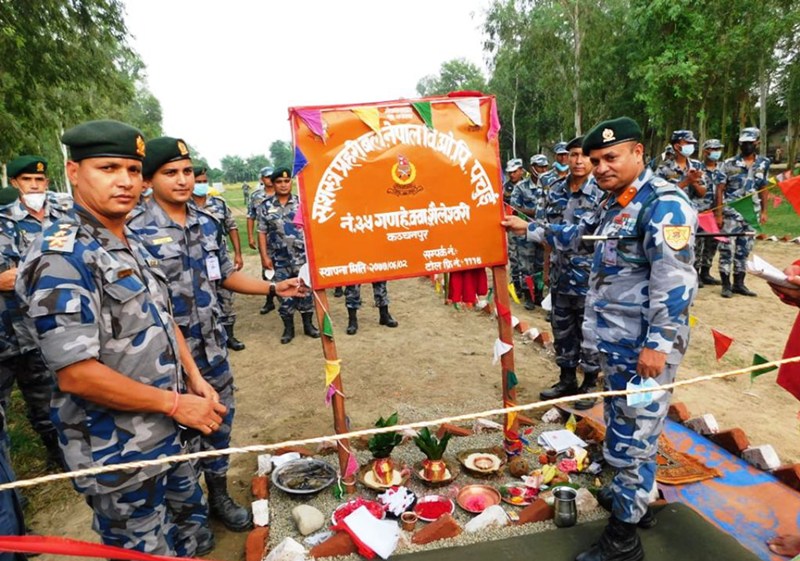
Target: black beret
<point>98,139</point>
<point>8,195</point>
<point>281,172</point>
<point>576,142</point>
<point>609,133</point>
<point>26,164</point>
<point>199,170</point>
<point>163,150</point>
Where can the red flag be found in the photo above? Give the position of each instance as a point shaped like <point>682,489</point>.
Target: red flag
<point>791,190</point>
<point>707,222</point>
<point>776,201</point>
<point>721,343</point>
<point>789,374</point>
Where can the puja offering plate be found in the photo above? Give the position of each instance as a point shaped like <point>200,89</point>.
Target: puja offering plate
<point>367,478</point>
<point>518,494</point>
<point>431,507</point>
<point>305,476</point>
<point>451,472</point>
<point>483,461</point>
<point>375,508</point>
<point>397,500</point>
<point>477,498</point>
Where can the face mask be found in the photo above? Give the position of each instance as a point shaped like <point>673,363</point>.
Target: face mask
<point>687,150</point>
<point>715,155</point>
<point>643,399</point>
<point>748,148</point>
<point>200,189</point>
<point>34,201</point>
<point>147,192</point>
<point>561,167</point>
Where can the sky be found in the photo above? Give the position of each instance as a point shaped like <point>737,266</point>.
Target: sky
<point>226,71</point>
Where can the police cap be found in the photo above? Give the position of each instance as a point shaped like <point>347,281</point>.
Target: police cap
<point>26,164</point>
<point>749,134</point>
<point>539,160</point>
<point>267,171</point>
<point>561,148</point>
<point>610,133</point>
<point>107,138</point>
<point>282,173</point>
<point>514,165</point>
<point>163,150</point>
<point>686,135</point>
<point>712,143</point>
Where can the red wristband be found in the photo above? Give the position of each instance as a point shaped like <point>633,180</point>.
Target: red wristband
<point>174,405</point>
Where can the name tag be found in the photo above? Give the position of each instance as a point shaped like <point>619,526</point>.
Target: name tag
<point>212,268</point>
<point>610,252</point>
<point>161,241</point>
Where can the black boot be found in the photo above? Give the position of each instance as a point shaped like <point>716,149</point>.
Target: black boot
<point>386,318</point>
<point>567,385</point>
<point>288,329</point>
<point>619,542</point>
<point>221,506</point>
<point>308,326</point>
<point>726,286</point>
<point>55,459</point>
<point>530,302</point>
<point>588,386</point>
<point>268,306</point>
<point>233,343</point>
<point>352,321</point>
<point>605,498</point>
<point>338,292</point>
<point>705,276</point>
<point>700,283</point>
<point>205,541</point>
<point>739,287</point>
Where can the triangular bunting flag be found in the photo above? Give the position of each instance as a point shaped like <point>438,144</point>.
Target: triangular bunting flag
<point>758,359</point>
<point>494,122</point>
<point>352,465</point>
<point>571,423</point>
<point>329,394</point>
<point>423,109</point>
<point>789,374</point>
<point>332,370</point>
<point>510,418</point>
<point>471,107</point>
<point>313,120</point>
<point>692,321</point>
<point>327,326</point>
<point>512,380</point>
<point>746,206</point>
<point>503,312</point>
<point>500,348</point>
<point>370,117</point>
<point>531,289</point>
<point>707,222</point>
<point>791,190</point>
<point>721,343</point>
<point>298,218</point>
<point>300,161</point>
<point>513,293</point>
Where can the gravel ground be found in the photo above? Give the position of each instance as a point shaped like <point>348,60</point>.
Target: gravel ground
<point>281,504</point>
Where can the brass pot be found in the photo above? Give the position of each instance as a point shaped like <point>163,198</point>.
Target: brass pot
<point>434,470</point>
<point>383,470</point>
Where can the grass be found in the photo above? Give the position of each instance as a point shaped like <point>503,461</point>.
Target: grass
<point>782,221</point>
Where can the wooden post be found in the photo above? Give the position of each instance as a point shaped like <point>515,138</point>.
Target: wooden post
<point>506,331</point>
<point>339,415</point>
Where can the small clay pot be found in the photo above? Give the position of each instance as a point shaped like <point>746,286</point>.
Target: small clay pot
<point>518,467</point>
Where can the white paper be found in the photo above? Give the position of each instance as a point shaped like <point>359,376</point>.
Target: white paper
<point>278,461</point>
<point>560,440</point>
<point>269,274</point>
<point>765,270</point>
<point>379,535</point>
<point>547,303</point>
<point>514,321</point>
<point>260,512</point>
<point>500,348</point>
<point>305,275</point>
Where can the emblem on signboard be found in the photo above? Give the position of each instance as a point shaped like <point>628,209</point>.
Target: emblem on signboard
<point>403,174</point>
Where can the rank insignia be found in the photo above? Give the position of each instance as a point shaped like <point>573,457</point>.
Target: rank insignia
<point>140,146</point>
<point>677,237</point>
<point>608,135</point>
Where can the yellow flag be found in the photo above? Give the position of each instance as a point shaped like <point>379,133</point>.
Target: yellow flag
<point>510,418</point>
<point>370,117</point>
<point>332,369</point>
<point>692,321</point>
<point>438,287</point>
<point>571,423</point>
<point>513,293</point>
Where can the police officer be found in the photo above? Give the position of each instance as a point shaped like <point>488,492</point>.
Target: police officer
<point>706,247</point>
<point>11,518</point>
<point>560,166</point>
<point>246,194</point>
<point>520,252</point>
<point>569,199</point>
<point>282,249</point>
<point>219,209</point>
<point>352,301</point>
<point>526,199</point>
<point>263,191</point>
<point>189,249</point>
<point>641,286</point>
<point>126,380</point>
<point>538,167</point>
<point>34,209</point>
<point>745,176</point>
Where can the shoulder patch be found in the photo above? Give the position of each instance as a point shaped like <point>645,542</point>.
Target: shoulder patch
<point>677,237</point>
<point>663,187</point>
<point>59,238</point>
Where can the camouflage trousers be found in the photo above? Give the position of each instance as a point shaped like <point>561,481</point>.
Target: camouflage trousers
<point>11,520</point>
<point>527,260</point>
<point>36,383</point>
<point>220,438</point>
<point>632,438</point>
<point>737,249</point>
<point>227,314</point>
<point>352,295</point>
<point>704,250</point>
<point>161,515</point>
<point>289,305</point>
<point>567,322</point>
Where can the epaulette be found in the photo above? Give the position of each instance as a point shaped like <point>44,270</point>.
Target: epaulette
<point>135,211</point>
<point>663,187</point>
<point>207,213</point>
<point>59,237</point>
<point>63,201</point>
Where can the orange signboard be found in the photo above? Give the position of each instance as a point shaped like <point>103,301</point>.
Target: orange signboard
<point>399,189</point>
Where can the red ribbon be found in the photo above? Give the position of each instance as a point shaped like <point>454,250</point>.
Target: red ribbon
<point>66,546</point>
<point>502,311</point>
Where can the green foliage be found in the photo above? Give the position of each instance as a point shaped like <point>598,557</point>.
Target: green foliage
<point>381,445</point>
<point>236,169</point>
<point>281,154</point>
<point>454,75</point>
<point>432,447</point>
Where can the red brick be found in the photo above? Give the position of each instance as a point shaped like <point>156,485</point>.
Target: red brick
<point>256,545</point>
<point>538,511</point>
<point>259,487</point>
<point>789,475</point>
<point>678,412</point>
<point>455,430</point>
<point>302,450</point>
<point>339,544</point>
<point>733,440</point>
<point>522,326</point>
<point>442,528</point>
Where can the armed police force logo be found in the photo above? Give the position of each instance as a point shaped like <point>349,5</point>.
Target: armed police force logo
<point>608,135</point>
<point>403,174</point>
<point>139,146</point>
<point>182,148</point>
<point>677,237</point>
<point>40,167</point>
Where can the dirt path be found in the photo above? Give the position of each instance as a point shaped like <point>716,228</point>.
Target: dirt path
<point>438,362</point>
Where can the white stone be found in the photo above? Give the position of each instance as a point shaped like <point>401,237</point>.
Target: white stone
<point>763,457</point>
<point>287,550</point>
<point>585,501</point>
<point>308,519</point>
<point>260,510</point>
<point>264,464</point>
<point>704,424</point>
<point>481,425</point>
<point>552,416</point>
<point>493,517</point>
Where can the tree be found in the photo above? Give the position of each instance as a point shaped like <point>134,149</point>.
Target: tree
<point>454,75</point>
<point>281,154</point>
<point>234,169</point>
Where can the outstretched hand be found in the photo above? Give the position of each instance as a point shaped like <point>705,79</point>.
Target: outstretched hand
<point>515,225</point>
<point>290,288</point>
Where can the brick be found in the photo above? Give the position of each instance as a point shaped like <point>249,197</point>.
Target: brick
<point>678,412</point>
<point>339,544</point>
<point>442,528</point>
<point>259,487</point>
<point>704,424</point>
<point>522,326</point>
<point>302,450</point>
<point>455,430</point>
<point>525,421</point>
<point>789,475</point>
<point>255,547</point>
<point>733,440</point>
<point>763,457</point>
<point>537,511</point>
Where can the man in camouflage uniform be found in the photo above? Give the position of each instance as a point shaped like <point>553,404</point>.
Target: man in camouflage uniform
<point>569,199</point>
<point>35,209</point>
<point>219,209</point>
<point>560,167</point>
<point>352,301</point>
<point>516,258</point>
<point>190,251</point>
<point>745,176</point>
<point>12,522</point>
<point>246,194</point>
<point>126,381</point>
<point>526,198</point>
<point>706,247</point>
<point>538,167</point>
<point>641,287</point>
<point>283,250</point>
<point>262,192</point>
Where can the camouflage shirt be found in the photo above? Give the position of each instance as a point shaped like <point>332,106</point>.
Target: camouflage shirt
<point>741,180</point>
<point>525,195</point>
<point>187,255</point>
<point>547,179</point>
<point>715,178</point>
<point>87,295</point>
<point>674,173</point>
<point>285,243</point>
<point>56,206</point>
<point>256,198</point>
<point>219,209</point>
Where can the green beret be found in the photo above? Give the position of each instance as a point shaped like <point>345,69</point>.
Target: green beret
<point>104,139</point>
<point>8,196</point>
<point>199,170</point>
<point>609,133</point>
<point>161,151</point>
<point>281,172</point>
<point>26,164</point>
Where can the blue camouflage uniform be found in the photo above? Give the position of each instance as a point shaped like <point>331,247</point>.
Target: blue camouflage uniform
<point>256,198</point>
<point>184,254</point>
<point>547,179</point>
<point>640,292</point>
<point>352,295</point>
<point>705,247</point>
<point>285,247</point>
<point>516,262</point>
<point>527,195</point>
<point>11,519</point>
<point>741,181</point>
<point>87,295</point>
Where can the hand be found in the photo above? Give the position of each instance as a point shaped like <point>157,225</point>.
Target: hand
<point>267,263</point>
<point>515,225</point>
<point>7,280</point>
<point>789,295</point>
<point>252,243</point>
<point>290,288</point>
<point>238,262</point>
<point>198,385</point>
<point>199,413</point>
<point>694,176</point>
<point>763,219</point>
<point>651,363</point>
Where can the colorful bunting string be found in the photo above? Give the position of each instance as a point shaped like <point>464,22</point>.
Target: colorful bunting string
<point>332,369</point>
<point>471,107</point>
<point>746,206</point>
<point>791,190</point>
<point>300,161</point>
<point>313,120</point>
<point>758,359</point>
<point>423,109</point>
<point>327,325</point>
<point>707,222</point>
<point>370,117</point>
<point>511,379</point>
<point>721,343</point>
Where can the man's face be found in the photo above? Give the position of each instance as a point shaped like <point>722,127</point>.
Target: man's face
<point>108,187</point>
<point>173,182</point>
<point>616,167</point>
<point>540,170</point>
<point>579,165</point>
<point>283,185</point>
<point>562,159</point>
<point>266,182</point>
<point>515,175</point>
<point>30,183</point>
<point>202,178</point>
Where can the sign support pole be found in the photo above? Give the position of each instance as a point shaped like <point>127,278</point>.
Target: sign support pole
<point>511,443</point>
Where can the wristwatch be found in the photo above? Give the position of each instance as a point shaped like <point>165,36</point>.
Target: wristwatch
<point>272,288</point>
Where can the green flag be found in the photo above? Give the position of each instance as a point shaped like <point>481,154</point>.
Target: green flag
<point>423,109</point>
<point>758,359</point>
<point>327,326</point>
<point>512,380</point>
<point>746,206</point>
